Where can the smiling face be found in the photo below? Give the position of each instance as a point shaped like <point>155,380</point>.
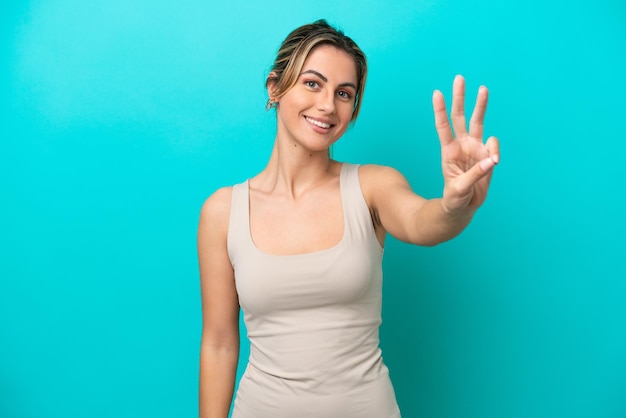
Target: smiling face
<point>317,110</point>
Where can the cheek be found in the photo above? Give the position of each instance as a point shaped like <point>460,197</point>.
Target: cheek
<point>346,110</point>
<point>294,103</point>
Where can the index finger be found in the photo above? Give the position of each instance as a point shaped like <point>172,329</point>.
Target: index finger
<point>478,116</point>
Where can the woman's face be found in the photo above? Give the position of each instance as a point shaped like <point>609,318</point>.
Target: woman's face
<point>316,111</point>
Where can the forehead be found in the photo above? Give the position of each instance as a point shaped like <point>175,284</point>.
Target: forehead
<point>333,63</point>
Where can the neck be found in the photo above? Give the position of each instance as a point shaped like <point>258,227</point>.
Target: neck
<point>292,171</point>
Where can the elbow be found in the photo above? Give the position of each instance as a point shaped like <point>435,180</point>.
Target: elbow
<point>427,242</point>
<point>220,338</point>
<point>432,240</point>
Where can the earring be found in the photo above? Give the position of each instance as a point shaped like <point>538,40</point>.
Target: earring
<point>270,104</point>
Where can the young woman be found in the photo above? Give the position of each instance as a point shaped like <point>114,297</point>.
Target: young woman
<point>299,246</point>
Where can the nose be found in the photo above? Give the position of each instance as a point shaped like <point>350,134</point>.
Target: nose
<point>326,101</point>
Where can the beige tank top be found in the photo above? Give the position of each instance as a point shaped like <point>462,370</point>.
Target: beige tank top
<point>312,320</point>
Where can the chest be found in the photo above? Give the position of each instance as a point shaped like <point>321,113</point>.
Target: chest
<point>281,226</point>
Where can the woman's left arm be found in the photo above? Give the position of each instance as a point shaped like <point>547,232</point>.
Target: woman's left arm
<point>467,164</point>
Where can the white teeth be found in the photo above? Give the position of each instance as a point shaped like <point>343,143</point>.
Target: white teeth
<point>318,123</point>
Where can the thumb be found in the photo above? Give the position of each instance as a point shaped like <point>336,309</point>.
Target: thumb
<point>486,165</point>
<point>480,170</point>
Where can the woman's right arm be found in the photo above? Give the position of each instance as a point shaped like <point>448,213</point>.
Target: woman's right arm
<point>219,350</point>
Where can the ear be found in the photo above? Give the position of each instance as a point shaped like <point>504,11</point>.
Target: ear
<point>271,86</point>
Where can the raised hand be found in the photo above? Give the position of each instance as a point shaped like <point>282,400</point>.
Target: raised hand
<point>466,161</point>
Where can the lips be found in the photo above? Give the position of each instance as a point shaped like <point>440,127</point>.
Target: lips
<point>318,123</point>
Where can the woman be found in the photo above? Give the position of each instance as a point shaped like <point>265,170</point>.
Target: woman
<point>299,246</point>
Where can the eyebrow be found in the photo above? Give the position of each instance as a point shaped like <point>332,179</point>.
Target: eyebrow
<point>347,84</point>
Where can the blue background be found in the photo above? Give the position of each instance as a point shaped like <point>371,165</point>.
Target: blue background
<point>119,118</point>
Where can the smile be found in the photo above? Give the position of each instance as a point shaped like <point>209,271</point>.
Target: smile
<point>318,123</point>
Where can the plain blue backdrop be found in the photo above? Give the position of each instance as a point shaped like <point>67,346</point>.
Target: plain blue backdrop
<point>118,118</point>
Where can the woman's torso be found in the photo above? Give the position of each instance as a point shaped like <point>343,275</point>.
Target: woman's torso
<point>312,318</point>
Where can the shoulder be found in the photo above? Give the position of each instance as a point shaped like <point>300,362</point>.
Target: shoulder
<point>375,170</point>
<point>383,186</point>
<point>215,210</point>
<point>374,178</point>
<point>218,203</point>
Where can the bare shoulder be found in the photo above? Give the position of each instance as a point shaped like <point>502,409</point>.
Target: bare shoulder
<point>218,202</point>
<point>378,172</point>
<point>386,189</point>
<point>215,211</point>
<point>376,179</point>
<point>392,202</point>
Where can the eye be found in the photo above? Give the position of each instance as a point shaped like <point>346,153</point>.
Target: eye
<point>344,94</point>
<point>311,84</point>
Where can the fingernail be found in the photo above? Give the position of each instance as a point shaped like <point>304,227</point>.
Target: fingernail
<point>495,158</point>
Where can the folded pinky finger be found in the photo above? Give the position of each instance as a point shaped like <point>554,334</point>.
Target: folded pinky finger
<point>493,147</point>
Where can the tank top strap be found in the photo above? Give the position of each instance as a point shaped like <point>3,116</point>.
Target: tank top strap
<point>238,232</point>
<point>356,212</point>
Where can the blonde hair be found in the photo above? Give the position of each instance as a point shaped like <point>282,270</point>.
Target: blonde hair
<point>296,48</point>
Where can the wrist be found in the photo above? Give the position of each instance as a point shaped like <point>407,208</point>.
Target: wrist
<point>456,214</point>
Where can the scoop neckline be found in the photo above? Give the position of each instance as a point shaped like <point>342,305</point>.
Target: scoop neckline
<point>323,251</point>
